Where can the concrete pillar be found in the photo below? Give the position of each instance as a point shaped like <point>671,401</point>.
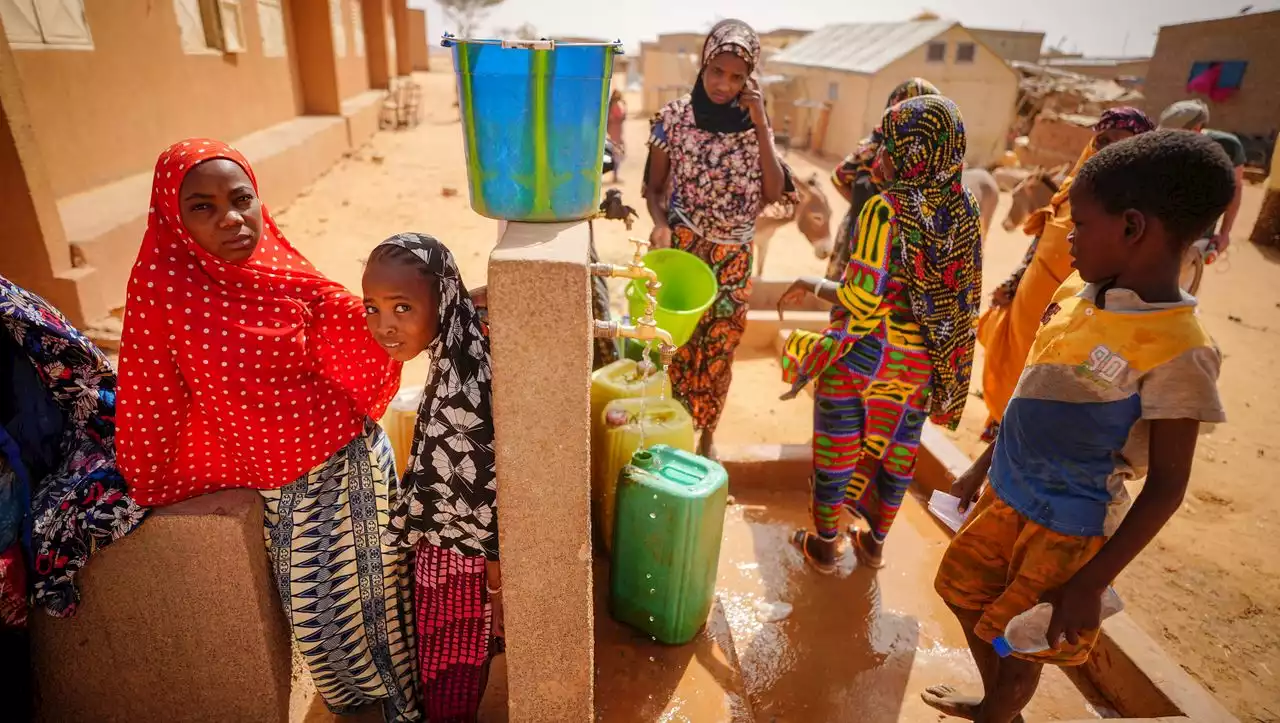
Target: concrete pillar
<point>540,320</point>
<point>404,37</point>
<point>35,253</point>
<point>179,621</point>
<point>315,61</point>
<point>377,21</point>
<point>419,40</point>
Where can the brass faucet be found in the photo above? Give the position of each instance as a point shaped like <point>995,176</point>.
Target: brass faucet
<point>634,270</point>
<point>644,328</point>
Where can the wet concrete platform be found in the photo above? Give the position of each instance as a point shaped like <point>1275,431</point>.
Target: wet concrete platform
<point>638,679</point>
<point>857,646</point>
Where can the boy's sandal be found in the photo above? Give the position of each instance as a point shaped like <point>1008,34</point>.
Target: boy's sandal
<point>864,557</point>
<point>801,540</point>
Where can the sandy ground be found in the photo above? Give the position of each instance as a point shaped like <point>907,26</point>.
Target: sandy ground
<point>1207,589</point>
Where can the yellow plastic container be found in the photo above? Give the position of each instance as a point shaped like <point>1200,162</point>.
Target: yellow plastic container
<point>618,380</point>
<point>398,423</point>
<point>664,422</point>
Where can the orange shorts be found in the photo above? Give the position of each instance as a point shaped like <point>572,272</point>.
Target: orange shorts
<point>1001,563</point>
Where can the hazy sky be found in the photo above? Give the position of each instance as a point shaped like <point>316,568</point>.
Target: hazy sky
<point>1093,27</point>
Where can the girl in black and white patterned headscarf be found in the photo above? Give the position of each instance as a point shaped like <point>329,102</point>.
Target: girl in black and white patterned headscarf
<point>446,505</point>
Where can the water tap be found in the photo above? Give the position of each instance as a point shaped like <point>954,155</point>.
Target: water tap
<point>645,328</point>
<point>634,270</point>
<point>668,353</point>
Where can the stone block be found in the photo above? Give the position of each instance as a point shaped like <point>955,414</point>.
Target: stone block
<point>178,622</point>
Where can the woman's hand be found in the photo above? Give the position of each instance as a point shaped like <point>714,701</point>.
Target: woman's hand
<point>660,236</point>
<point>753,99</point>
<point>795,294</point>
<point>479,296</point>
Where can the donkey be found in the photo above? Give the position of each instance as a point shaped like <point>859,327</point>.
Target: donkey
<point>984,188</point>
<point>812,216</point>
<point>1033,194</point>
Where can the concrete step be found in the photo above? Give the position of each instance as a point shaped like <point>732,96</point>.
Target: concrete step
<point>105,332</point>
<point>763,325</point>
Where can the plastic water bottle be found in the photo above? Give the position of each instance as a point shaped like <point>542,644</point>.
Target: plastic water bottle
<point>1208,248</point>
<point>1026,632</point>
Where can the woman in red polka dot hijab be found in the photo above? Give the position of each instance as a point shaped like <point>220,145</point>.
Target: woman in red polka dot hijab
<point>243,366</point>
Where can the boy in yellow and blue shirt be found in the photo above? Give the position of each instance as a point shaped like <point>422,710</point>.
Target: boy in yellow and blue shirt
<point>1117,383</point>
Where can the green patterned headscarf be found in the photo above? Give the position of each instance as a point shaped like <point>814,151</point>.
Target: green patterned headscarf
<point>939,236</point>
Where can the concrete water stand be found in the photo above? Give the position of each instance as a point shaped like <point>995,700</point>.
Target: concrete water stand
<point>179,621</point>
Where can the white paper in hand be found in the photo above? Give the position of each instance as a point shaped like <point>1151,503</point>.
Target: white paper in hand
<point>947,508</point>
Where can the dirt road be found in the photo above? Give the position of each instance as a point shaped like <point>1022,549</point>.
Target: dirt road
<point>1207,589</point>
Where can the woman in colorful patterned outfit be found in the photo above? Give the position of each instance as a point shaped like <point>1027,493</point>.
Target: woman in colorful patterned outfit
<point>900,345</point>
<point>713,150</point>
<point>243,366</point>
<point>446,509</point>
<point>852,178</point>
<point>1009,325</point>
<point>61,498</point>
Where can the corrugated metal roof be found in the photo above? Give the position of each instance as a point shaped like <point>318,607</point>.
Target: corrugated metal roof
<point>861,47</point>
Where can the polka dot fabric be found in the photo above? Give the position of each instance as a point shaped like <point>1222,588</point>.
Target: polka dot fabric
<point>235,374</point>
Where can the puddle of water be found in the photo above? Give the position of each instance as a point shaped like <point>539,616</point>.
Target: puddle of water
<point>859,645</point>
<point>638,679</point>
<point>856,646</point>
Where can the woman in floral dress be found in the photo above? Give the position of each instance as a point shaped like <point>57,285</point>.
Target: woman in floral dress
<point>712,167</point>
<point>61,497</point>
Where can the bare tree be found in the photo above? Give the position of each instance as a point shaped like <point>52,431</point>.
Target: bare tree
<point>466,14</point>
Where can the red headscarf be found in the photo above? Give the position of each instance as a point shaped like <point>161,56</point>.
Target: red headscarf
<point>235,374</point>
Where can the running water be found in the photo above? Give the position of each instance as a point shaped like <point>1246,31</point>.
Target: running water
<point>662,383</point>
<point>645,368</point>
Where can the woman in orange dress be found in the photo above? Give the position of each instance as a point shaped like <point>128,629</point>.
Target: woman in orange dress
<point>1008,327</point>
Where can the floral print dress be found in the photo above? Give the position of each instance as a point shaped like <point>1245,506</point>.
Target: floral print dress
<point>58,479</point>
<point>717,191</point>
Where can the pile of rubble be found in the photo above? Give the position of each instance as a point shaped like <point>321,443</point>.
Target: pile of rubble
<point>1056,109</point>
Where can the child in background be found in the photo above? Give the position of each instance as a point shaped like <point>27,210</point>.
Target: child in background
<point>446,505</point>
<point>1120,377</point>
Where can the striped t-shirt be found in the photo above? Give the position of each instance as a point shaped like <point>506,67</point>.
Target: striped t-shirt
<point>1076,427</point>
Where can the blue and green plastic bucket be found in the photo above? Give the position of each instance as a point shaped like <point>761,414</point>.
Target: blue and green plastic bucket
<point>533,120</point>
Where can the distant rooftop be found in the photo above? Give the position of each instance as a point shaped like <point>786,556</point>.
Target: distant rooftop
<point>786,31</point>
<point>1080,61</point>
<point>861,47</point>
<point>1006,31</point>
<point>1267,14</point>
